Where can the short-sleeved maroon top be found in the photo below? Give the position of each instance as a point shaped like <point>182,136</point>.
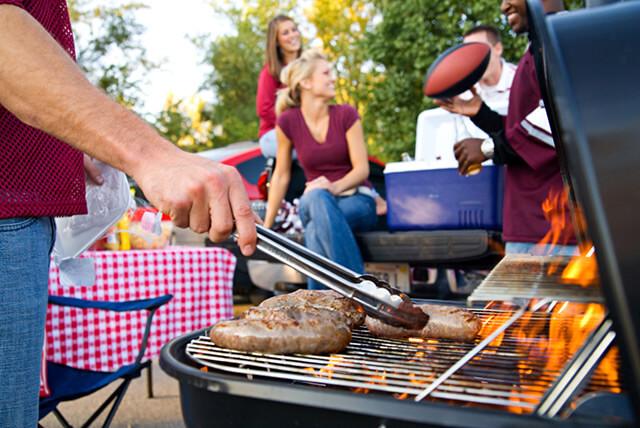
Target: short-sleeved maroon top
<point>329,158</point>
<point>40,175</point>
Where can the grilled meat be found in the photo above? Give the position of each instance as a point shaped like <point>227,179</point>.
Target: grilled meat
<point>285,330</point>
<point>445,322</point>
<point>327,299</point>
<point>306,321</point>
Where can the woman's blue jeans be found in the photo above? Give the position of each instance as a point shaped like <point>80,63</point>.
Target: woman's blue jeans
<point>534,249</point>
<point>25,248</point>
<point>269,145</point>
<point>329,223</point>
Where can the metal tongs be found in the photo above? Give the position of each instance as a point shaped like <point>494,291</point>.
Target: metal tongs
<point>398,311</point>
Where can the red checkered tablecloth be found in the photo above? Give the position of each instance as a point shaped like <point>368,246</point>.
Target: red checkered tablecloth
<point>200,280</point>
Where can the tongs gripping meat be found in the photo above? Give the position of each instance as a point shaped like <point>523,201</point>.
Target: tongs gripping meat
<point>405,314</point>
<point>391,305</point>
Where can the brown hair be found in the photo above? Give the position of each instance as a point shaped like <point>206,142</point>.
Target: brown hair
<point>294,73</point>
<point>493,34</point>
<point>274,56</point>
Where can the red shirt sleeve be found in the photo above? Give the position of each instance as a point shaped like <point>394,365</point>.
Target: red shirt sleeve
<point>349,115</point>
<point>530,144</point>
<point>266,101</point>
<point>18,3</point>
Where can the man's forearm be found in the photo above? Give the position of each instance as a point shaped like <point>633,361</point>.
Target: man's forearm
<point>492,123</point>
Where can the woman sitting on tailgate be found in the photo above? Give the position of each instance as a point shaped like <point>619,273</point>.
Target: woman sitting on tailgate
<point>338,199</point>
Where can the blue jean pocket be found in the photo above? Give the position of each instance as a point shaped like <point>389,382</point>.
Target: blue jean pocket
<point>16,223</point>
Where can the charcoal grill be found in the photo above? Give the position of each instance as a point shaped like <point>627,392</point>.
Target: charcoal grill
<point>491,382</point>
<point>403,368</point>
<point>501,375</point>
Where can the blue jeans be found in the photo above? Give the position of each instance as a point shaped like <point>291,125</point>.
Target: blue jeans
<point>329,223</point>
<point>25,248</point>
<point>534,249</point>
<point>269,145</point>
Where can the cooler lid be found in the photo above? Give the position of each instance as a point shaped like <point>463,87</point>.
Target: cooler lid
<point>423,165</point>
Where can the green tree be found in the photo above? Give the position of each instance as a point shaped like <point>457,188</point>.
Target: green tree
<point>108,48</point>
<point>236,61</point>
<point>182,123</point>
<point>408,37</point>
<point>340,25</point>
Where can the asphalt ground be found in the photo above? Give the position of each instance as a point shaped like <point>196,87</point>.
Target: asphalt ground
<point>136,409</point>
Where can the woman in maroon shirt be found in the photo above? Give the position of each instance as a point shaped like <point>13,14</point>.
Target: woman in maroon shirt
<point>337,200</point>
<point>283,46</point>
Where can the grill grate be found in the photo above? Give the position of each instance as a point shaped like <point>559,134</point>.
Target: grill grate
<point>535,277</point>
<point>512,371</point>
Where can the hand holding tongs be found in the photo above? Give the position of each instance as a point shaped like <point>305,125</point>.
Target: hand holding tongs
<point>391,306</point>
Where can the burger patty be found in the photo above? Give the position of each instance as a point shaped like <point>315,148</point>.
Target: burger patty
<point>445,322</point>
<point>306,321</point>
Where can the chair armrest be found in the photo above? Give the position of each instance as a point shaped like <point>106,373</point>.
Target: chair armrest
<point>131,305</point>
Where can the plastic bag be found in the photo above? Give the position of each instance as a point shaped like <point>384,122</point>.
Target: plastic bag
<point>106,205</point>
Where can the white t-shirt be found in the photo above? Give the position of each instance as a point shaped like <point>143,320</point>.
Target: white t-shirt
<point>497,96</point>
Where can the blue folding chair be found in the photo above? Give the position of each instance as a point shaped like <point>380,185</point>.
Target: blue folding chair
<point>68,383</point>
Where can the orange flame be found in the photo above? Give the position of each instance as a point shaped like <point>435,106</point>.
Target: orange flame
<point>555,209</point>
<point>582,270</point>
<point>550,338</point>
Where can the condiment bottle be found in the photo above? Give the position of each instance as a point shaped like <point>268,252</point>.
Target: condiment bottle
<point>112,241</point>
<point>123,226</point>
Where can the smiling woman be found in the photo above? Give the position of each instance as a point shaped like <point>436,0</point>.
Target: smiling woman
<point>329,141</point>
<point>283,46</point>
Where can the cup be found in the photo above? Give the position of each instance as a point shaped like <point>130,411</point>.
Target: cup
<point>463,133</point>
<point>473,169</point>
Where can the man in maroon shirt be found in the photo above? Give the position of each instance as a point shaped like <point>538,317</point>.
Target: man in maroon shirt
<point>523,142</point>
<point>49,114</point>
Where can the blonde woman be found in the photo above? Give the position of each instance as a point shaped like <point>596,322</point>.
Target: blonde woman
<point>338,199</point>
<point>283,46</point>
